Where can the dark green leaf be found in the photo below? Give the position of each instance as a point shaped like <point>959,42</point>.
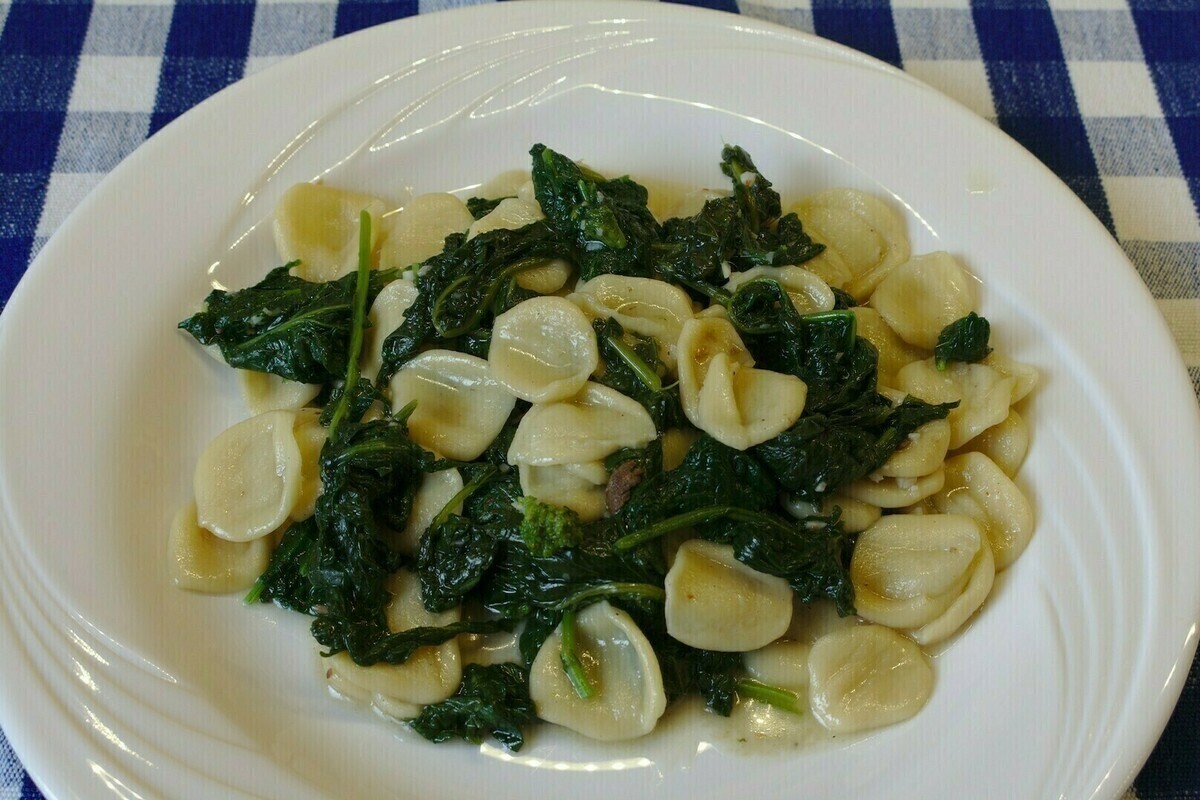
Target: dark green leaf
<point>491,700</point>
<point>965,339</point>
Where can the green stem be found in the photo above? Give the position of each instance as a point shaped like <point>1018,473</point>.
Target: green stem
<point>472,321</point>
<point>608,589</point>
<point>472,486</point>
<point>695,517</point>
<point>571,664</point>
<point>774,695</point>
<point>361,291</point>
<point>645,374</point>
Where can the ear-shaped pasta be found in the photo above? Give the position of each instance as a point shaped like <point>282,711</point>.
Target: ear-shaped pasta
<point>675,444</point>
<point>983,394</point>
<point>921,453</point>
<point>1006,443</point>
<point>923,295</point>
<point>643,306</point>
<point>978,488</point>
<point>1025,377</point>
<point>318,226</point>
<point>543,349</point>
<point>248,479</point>
<point>724,396</point>
<point>591,425</point>
<point>265,392</point>
<point>856,516</point>
<point>203,562</point>
<point>620,663</point>
<point>808,293</point>
<point>983,575</point>
<point>418,231</point>
<point>546,278</point>
<point>908,570</point>
<point>310,438</point>
<point>430,675</point>
<point>715,602</point>
<point>460,408</point>
<point>866,677</point>
<point>894,352</point>
<point>811,621</point>
<point>436,490</point>
<point>386,315</point>
<point>510,214</point>
<point>782,663</point>
<point>859,231</point>
<point>579,487</point>
<point>896,492</point>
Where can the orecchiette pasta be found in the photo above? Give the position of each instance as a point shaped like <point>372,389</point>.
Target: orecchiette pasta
<point>923,295</point>
<point>265,392</point>
<point>724,395</point>
<point>896,492</point>
<point>573,486</point>
<point>419,230</point>
<point>894,352</point>
<point>429,675</point>
<point>248,479</point>
<point>808,293</point>
<point>543,349</point>
<point>983,394</point>
<point>641,305</point>
<point>460,404</point>
<point>203,562</point>
<point>619,661</point>
<point>978,488</point>
<point>387,314</point>
<point>589,426</point>
<point>863,237</point>
<point>866,677</point>
<point>1005,443</point>
<point>715,602</point>
<point>318,226</point>
<point>436,490</point>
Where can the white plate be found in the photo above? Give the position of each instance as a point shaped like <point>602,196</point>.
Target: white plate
<point>118,684</point>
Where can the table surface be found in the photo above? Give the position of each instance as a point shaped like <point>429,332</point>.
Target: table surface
<point>1105,92</point>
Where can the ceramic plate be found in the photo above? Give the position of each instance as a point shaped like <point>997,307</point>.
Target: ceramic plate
<point>120,685</point>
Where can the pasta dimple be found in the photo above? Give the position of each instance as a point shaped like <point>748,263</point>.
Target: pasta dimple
<point>419,230</point>
<point>543,349</point>
<point>641,305</point>
<point>922,296</point>
<point>317,225</point>
<point>587,427</point>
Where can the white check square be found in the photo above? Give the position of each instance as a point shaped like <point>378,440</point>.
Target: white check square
<point>115,83</point>
<point>1152,209</point>
<point>1114,89</point>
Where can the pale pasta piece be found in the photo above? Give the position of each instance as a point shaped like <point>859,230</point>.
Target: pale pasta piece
<point>1005,443</point>
<point>983,394</point>
<point>978,488</point>
<point>572,486</point>
<point>908,570</point>
<point>983,575</point>
<point>715,602</point>
<point>675,444</point>
<point>318,226</point>
<point>724,395</point>
<point>510,183</point>
<point>856,515</point>
<point>921,453</point>
<point>510,214</point>
<point>588,427</point>
<point>894,352</point>
<point>418,231</point>
<point>858,230</point>
<point>264,392</point>
<point>643,306</point>
<point>310,438</point>
<point>543,349</point>
<point>430,675</point>
<point>386,315</point>
<point>811,621</point>
<point>203,562</point>
<point>436,490</point>
<point>547,277</point>
<point>485,649</point>
<point>808,293</point>
<point>866,677</point>
<point>1025,376</point>
<point>248,479</point>
<point>620,664</point>
<point>896,492</point>
<point>461,407</point>
<point>923,295</point>
<point>783,663</point>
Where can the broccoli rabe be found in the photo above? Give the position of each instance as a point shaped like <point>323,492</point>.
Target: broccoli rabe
<point>546,528</point>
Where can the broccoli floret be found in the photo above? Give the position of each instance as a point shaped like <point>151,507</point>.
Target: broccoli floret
<point>546,528</point>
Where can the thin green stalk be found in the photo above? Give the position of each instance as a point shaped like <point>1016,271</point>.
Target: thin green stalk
<point>472,486</point>
<point>361,291</point>
<point>609,589</point>
<point>774,695</point>
<point>645,374</point>
<point>571,664</point>
<point>690,518</point>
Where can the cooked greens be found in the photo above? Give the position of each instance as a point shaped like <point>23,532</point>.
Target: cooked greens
<point>512,560</point>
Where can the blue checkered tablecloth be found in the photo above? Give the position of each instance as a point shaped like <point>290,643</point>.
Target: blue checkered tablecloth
<point>1105,92</point>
